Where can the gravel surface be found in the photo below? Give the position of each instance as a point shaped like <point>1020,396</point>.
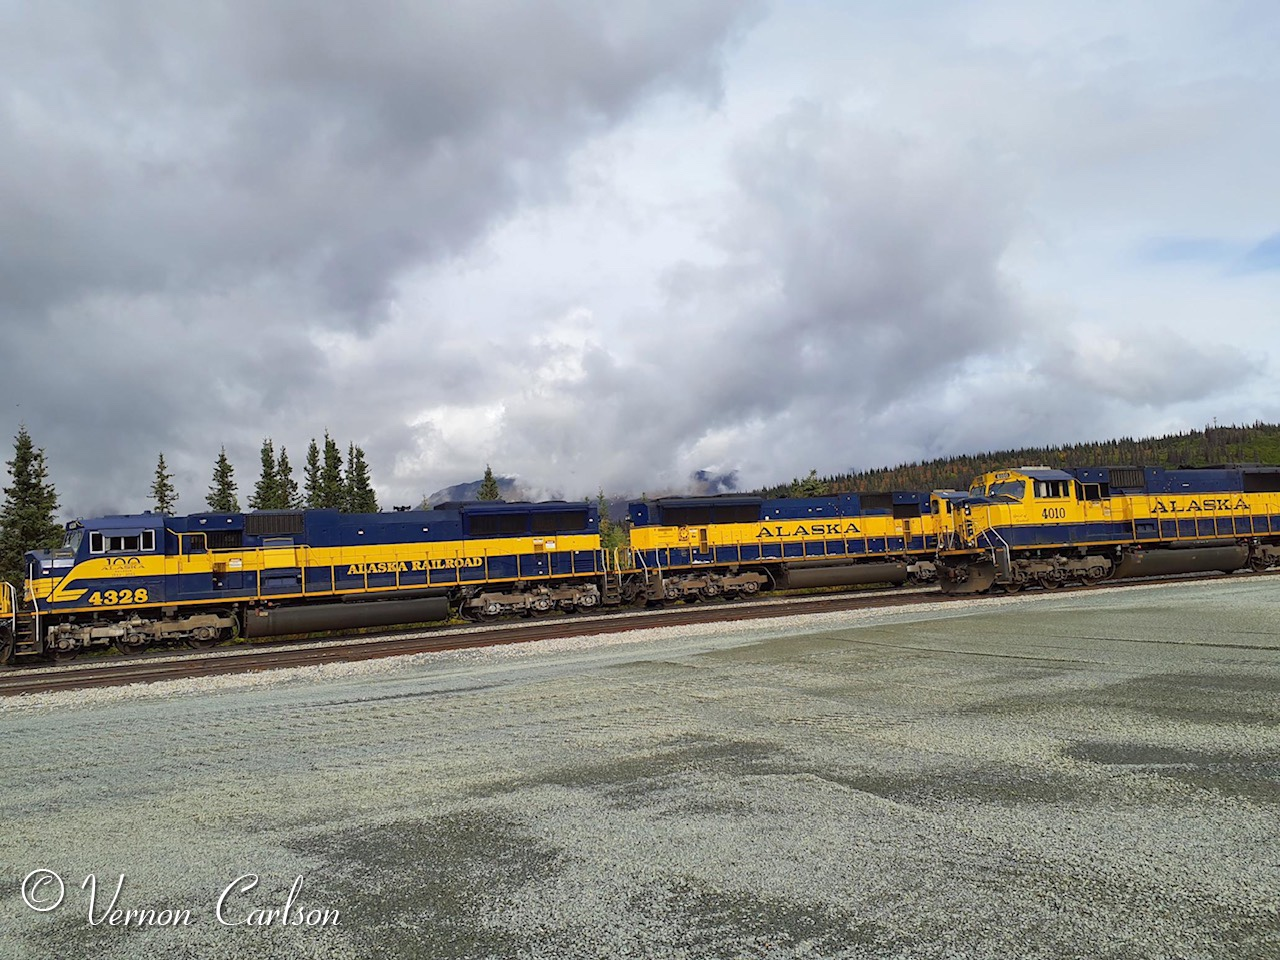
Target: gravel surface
<point>1091,775</point>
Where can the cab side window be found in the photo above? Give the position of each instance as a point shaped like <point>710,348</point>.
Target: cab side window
<point>1052,489</point>
<point>144,541</point>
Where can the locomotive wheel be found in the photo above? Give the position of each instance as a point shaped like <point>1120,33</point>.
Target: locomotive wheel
<point>1014,586</point>
<point>63,656</point>
<point>1091,577</point>
<point>1257,563</point>
<point>127,646</point>
<point>225,635</point>
<point>1049,583</point>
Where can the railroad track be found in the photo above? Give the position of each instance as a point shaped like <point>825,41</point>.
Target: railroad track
<point>150,668</point>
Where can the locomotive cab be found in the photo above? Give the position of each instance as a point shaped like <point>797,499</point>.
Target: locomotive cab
<point>44,568</point>
<point>1027,508</point>
<point>1024,496</point>
<point>111,563</point>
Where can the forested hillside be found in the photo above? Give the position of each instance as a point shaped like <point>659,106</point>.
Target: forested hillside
<point>1259,443</point>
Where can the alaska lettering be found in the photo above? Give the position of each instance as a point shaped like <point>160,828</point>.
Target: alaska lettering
<point>1200,505</point>
<point>810,530</point>
<point>406,566</point>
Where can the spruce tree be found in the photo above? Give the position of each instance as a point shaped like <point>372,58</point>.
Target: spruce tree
<point>612,535</point>
<point>266,493</point>
<point>26,519</point>
<point>488,486</point>
<point>311,475</point>
<point>222,492</point>
<point>163,494</point>
<point>348,482</point>
<point>810,486</point>
<point>360,495</point>
<point>287,497</point>
<point>332,492</point>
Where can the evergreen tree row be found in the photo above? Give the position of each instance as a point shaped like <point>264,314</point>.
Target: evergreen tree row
<point>1255,443</point>
<point>325,483</point>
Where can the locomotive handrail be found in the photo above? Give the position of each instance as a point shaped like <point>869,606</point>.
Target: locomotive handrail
<point>11,600</point>
<point>1008,554</point>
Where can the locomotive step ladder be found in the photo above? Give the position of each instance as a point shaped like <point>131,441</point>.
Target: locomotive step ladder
<point>25,641</point>
<point>653,586</point>
<point>611,595</point>
<point>1001,556</point>
<point>21,636</point>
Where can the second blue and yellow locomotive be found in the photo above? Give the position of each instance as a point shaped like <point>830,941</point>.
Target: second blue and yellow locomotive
<point>705,547</point>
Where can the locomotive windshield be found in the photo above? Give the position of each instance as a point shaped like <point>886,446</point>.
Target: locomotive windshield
<point>71,542</point>
<point>1007,490</point>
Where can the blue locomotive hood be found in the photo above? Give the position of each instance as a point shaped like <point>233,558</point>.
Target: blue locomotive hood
<point>46,563</point>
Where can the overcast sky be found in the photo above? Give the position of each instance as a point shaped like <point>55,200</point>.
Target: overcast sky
<point>613,245</point>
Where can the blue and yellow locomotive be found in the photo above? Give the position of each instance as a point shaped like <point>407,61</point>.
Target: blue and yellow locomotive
<point>136,581</point>
<point>691,547</point>
<point>1037,525</point>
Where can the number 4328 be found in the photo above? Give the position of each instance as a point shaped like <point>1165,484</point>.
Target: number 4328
<point>113,597</point>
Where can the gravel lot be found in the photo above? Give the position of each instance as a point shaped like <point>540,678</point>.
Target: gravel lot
<point>1091,775</point>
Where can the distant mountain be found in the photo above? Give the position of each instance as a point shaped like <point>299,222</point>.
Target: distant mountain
<point>511,491</point>
<point>508,489</point>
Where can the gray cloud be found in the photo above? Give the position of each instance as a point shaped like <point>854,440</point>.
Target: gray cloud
<point>193,195</point>
<point>333,146</point>
<point>1149,367</point>
<point>858,269</point>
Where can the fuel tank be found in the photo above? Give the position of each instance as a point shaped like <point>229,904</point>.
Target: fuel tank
<point>1156,563</point>
<point>826,574</point>
<point>277,621</point>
